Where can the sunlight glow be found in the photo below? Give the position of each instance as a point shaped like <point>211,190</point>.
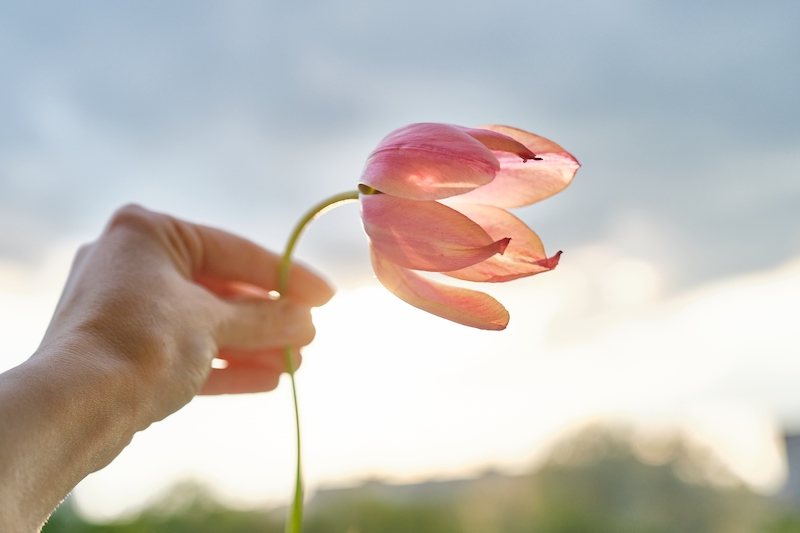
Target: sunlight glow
<point>389,391</point>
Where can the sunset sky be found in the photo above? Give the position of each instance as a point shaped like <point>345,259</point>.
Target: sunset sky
<point>675,305</point>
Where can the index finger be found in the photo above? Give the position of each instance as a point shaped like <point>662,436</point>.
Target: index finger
<point>225,256</point>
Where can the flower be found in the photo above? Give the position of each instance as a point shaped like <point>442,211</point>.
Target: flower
<point>434,198</point>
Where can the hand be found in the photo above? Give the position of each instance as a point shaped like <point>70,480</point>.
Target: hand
<point>145,310</point>
<point>170,296</point>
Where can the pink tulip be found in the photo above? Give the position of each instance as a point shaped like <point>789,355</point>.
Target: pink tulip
<point>433,198</point>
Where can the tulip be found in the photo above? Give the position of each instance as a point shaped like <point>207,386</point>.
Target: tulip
<point>434,198</point>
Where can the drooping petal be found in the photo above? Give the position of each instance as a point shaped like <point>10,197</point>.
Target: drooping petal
<point>424,235</point>
<point>499,143</point>
<point>429,162</point>
<point>464,306</point>
<point>523,257</point>
<point>521,182</point>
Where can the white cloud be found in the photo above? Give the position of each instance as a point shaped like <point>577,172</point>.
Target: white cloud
<point>242,115</point>
<point>387,390</point>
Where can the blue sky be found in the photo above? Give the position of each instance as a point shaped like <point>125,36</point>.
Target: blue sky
<point>673,292</point>
<point>684,114</point>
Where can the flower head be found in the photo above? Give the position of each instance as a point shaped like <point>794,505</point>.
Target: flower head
<point>434,197</point>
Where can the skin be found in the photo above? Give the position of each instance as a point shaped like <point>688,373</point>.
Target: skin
<point>144,311</point>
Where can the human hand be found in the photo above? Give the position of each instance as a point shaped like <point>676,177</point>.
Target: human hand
<point>145,310</point>
<point>167,297</point>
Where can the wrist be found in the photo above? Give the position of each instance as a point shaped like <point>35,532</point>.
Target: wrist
<point>64,413</point>
<point>92,384</point>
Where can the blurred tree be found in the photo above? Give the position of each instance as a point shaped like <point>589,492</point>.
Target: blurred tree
<point>595,482</point>
<point>789,523</point>
<point>368,515</point>
<point>187,508</point>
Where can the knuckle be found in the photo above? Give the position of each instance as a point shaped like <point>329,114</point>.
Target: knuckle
<point>81,254</point>
<point>132,216</point>
<point>128,213</point>
<point>174,236</point>
<point>83,249</point>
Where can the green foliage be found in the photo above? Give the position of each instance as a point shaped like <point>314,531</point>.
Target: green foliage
<point>789,523</point>
<point>188,508</point>
<point>593,483</point>
<point>600,486</point>
<point>369,515</point>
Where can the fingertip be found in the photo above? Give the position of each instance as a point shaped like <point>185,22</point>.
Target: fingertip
<point>309,287</point>
<point>230,258</point>
<point>297,360</point>
<point>298,327</point>
<point>241,379</point>
<point>271,357</point>
<point>249,371</point>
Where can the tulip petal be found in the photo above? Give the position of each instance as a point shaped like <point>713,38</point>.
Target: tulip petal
<point>464,306</point>
<point>424,235</point>
<point>428,162</point>
<point>519,182</point>
<point>499,143</point>
<point>523,257</point>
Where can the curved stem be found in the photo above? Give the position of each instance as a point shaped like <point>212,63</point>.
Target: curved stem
<point>294,522</point>
<point>313,213</point>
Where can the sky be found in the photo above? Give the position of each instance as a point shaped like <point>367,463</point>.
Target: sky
<point>678,288</point>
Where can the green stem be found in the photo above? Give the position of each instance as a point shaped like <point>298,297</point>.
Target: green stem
<point>294,522</point>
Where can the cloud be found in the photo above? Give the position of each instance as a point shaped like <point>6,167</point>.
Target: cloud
<point>387,390</point>
<point>243,114</point>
